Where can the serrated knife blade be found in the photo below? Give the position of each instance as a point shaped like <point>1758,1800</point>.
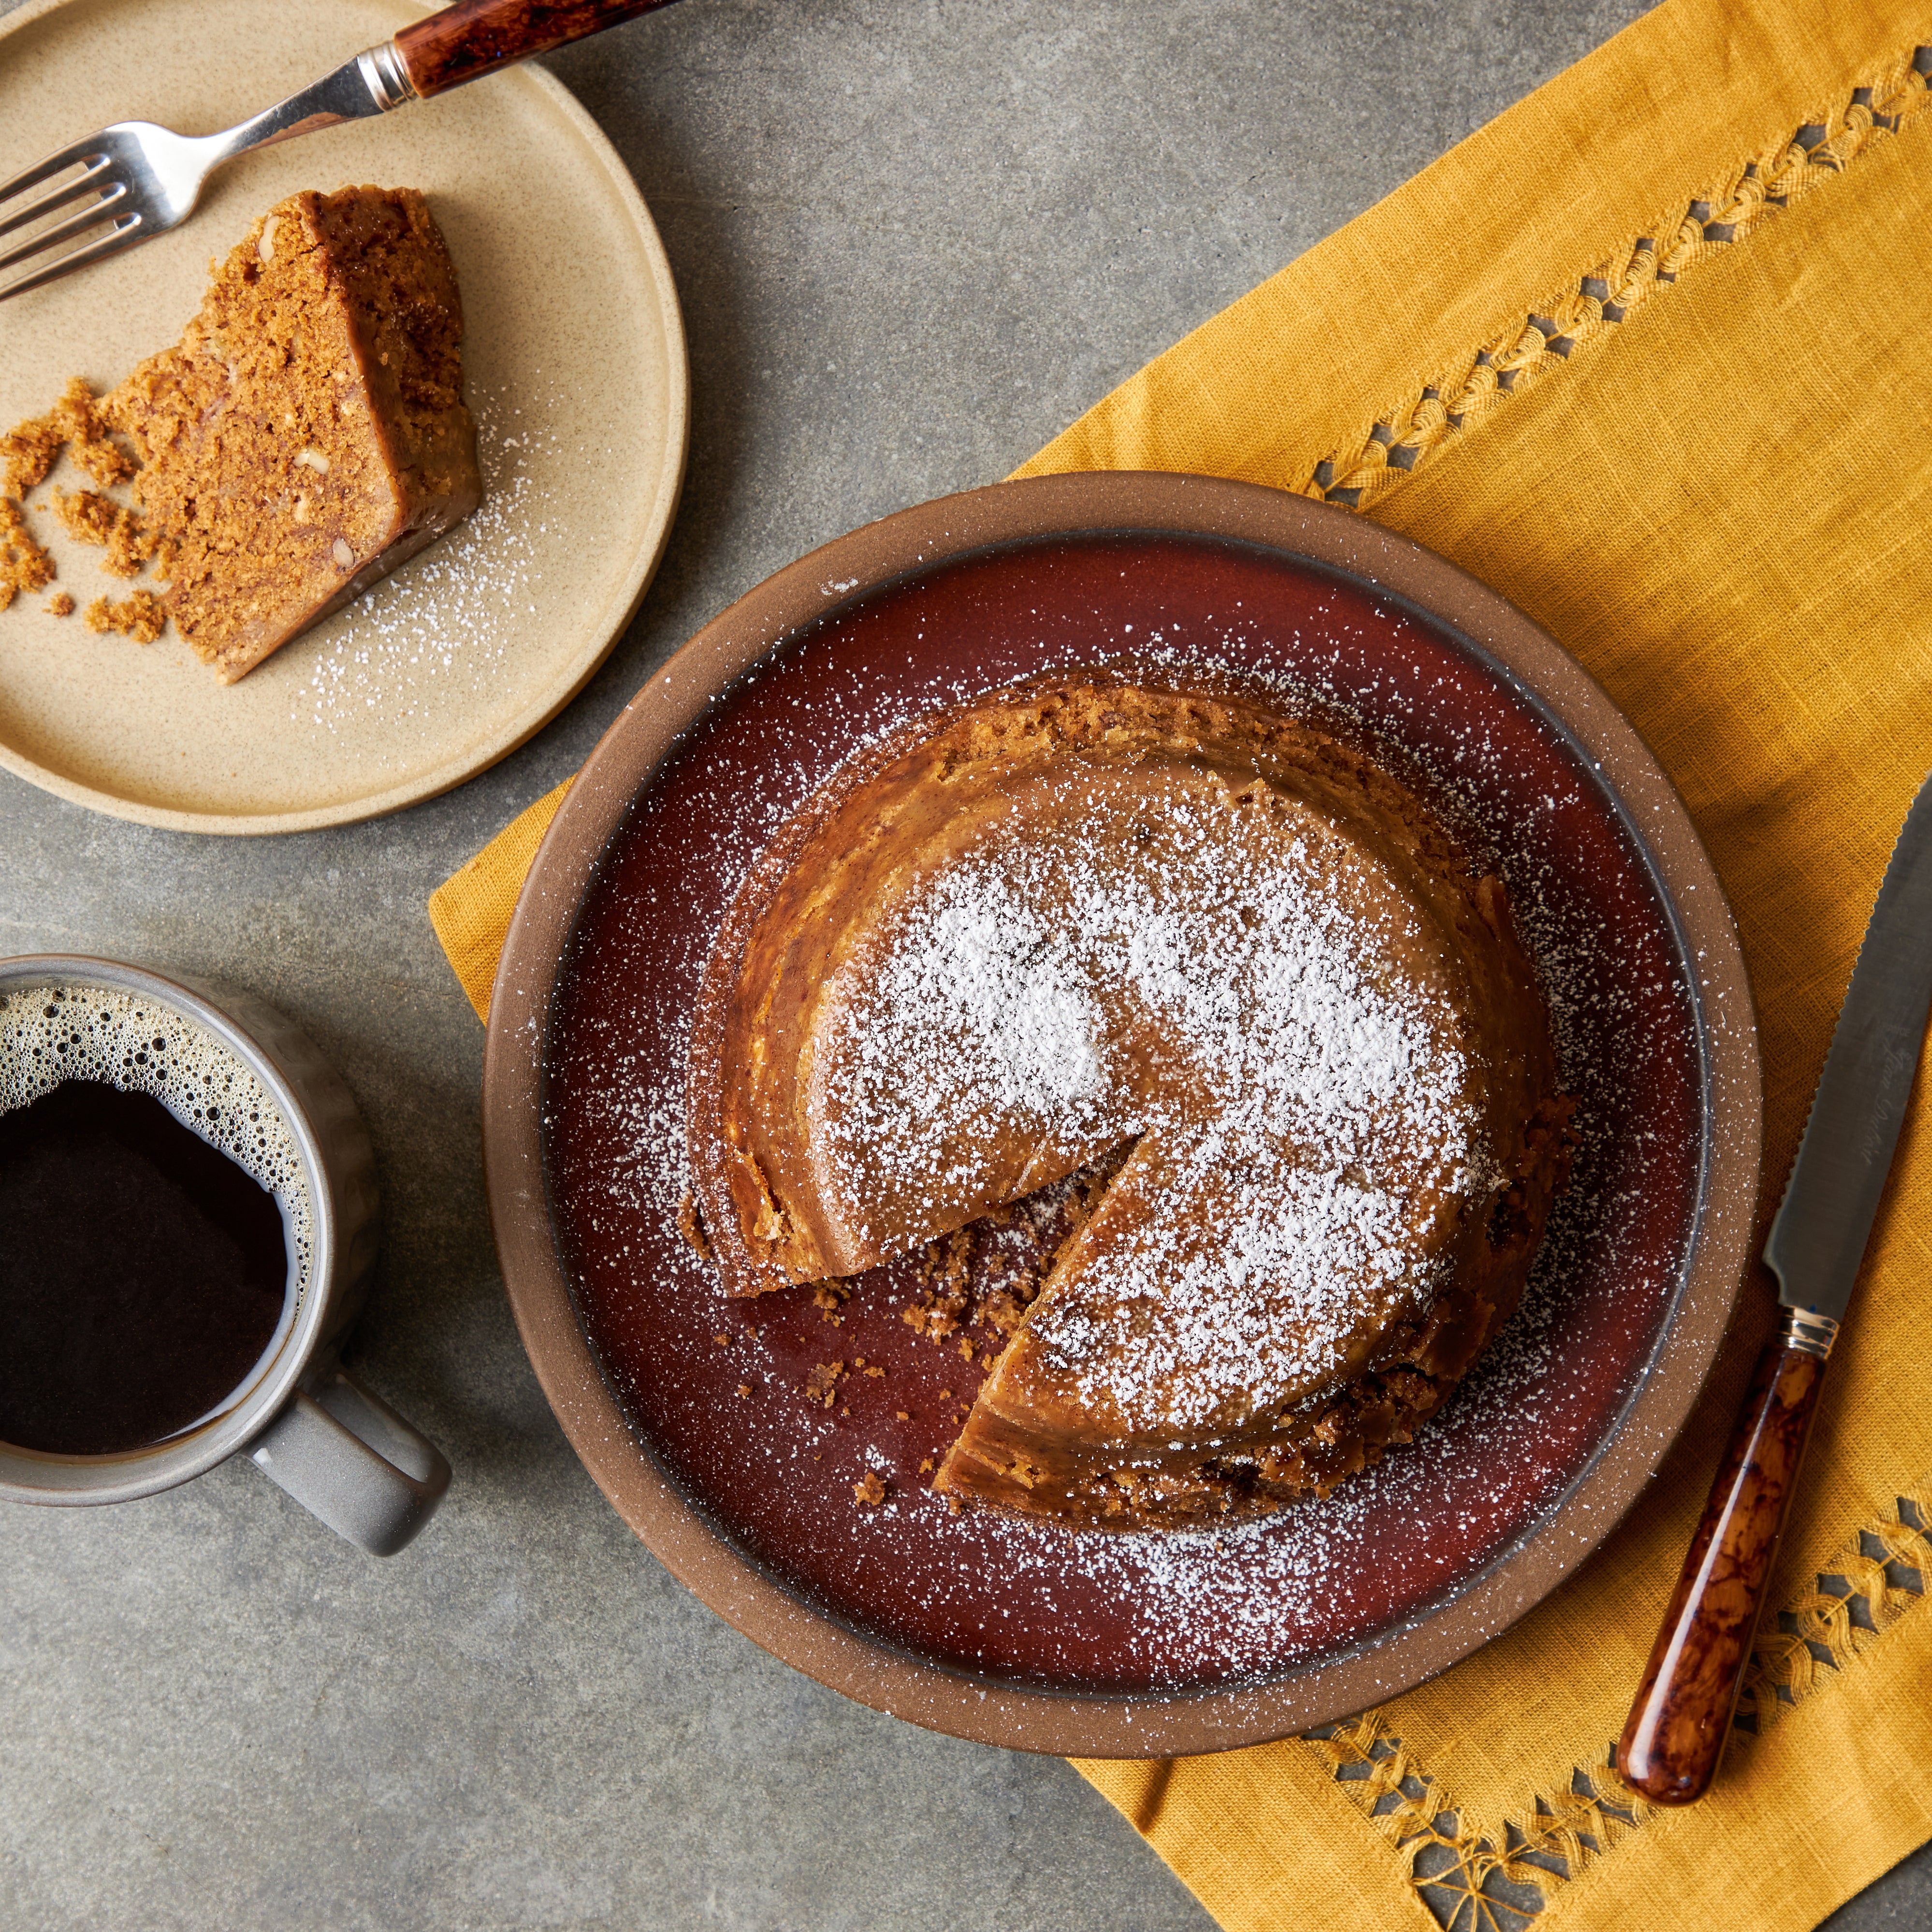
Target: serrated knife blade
<point>1818,1239</point>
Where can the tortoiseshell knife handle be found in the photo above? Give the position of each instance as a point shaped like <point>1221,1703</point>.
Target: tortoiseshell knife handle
<point>477,37</point>
<point>1675,1734</point>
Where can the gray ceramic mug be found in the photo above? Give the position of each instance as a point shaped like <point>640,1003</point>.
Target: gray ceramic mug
<point>338,1449</point>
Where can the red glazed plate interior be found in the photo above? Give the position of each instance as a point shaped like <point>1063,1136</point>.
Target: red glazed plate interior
<point>715,1390</point>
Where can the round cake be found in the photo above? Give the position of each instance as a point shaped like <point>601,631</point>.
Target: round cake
<point>1173,934</point>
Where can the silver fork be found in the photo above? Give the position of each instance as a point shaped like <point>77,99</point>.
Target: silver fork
<point>134,181</point>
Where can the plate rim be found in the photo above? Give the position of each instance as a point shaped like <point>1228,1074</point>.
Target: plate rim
<point>870,1670</point>
<point>481,753</point>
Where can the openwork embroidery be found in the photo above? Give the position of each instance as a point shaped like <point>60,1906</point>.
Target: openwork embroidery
<point>1555,332</point>
<point>1879,1576</point>
<point>1474,1880</point>
<point>1471,1880</point>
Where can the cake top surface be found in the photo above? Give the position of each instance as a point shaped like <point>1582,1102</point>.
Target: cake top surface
<point>1066,921</point>
<point>1214,972</point>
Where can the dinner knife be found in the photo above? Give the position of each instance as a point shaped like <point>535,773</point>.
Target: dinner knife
<point>1678,1727</point>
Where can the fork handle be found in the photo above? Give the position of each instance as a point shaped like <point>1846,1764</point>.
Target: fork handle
<point>477,37</point>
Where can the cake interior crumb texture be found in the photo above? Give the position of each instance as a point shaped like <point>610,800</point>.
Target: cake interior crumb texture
<point>307,433</point>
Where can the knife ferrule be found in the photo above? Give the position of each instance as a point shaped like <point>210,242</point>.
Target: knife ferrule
<point>1812,1334</point>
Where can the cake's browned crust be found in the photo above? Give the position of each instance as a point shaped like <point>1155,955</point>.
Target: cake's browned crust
<point>1118,1402</point>
<point>307,433</point>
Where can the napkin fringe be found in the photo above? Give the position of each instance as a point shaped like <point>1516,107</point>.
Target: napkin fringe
<point>1878,1574</point>
<point>1551,335</point>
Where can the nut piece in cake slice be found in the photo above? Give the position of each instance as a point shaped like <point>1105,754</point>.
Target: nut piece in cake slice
<point>307,433</point>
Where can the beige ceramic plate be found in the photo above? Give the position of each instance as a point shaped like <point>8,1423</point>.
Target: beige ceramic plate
<point>575,367</point>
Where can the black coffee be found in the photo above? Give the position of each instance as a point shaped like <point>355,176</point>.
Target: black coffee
<point>142,1273</point>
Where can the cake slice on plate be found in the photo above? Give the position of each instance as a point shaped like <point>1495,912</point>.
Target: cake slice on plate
<point>308,433</point>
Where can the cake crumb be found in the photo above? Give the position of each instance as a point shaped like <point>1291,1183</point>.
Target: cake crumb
<point>875,1372</point>
<point>132,545</point>
<point>143,616</point>
<point>821,1384</point>
<point>690,1225</point>
<point>722,1341</point>
<point>29,450</point>
<point>744,1389</point>
<point>926,1467</point>
<point>90,448</point>
<point>1003,1311</point>
<point>60,604</point>
<point>89,517</point>
<point>24,565</point>
<point>941,1310</point>
<point>900,1415</point>
<point>871,1492</point>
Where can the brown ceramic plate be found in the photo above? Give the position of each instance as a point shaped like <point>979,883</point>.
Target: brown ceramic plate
<point>689,1410</point>
<point>573,363</point>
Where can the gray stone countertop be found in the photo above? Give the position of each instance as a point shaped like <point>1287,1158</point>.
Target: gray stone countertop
<point>914,238</point>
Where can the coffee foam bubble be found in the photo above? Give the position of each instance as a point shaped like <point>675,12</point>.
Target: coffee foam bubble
<point>68,1031</point>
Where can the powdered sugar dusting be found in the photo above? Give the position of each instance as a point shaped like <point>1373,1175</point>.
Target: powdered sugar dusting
<point>990,983</point>
<point>1221,991</point>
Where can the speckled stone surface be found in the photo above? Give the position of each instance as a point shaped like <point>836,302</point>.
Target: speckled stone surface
<point>913,241</point>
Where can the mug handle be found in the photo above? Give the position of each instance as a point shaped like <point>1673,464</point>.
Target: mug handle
<point>346,1456</point>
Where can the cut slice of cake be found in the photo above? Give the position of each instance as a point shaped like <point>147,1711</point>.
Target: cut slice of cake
<point>308,433</point>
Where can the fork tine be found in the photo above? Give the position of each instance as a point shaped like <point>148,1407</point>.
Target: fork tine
<point>77,222</point>
<point>128,230</point>
<point>72,156</point>
<point>59,197</point>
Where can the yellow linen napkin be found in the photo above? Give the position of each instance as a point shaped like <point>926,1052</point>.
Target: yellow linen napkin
<point>1648,355</point>
<point>471,910</point>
